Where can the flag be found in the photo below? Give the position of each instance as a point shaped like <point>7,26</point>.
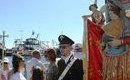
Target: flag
<point>33,32</point>
<point>93,35</point>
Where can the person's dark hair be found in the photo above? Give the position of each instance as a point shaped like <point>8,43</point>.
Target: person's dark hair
<point>37,73</point>
<point>114,8</point>
<point>35,52</point>
<point>15,62</point>
<point>94,5</point>
<point>51,54</point>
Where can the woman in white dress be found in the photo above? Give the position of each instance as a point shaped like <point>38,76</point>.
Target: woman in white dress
<point>18,67</point>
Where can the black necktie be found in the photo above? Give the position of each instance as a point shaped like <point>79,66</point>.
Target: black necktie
<point>71,57</point>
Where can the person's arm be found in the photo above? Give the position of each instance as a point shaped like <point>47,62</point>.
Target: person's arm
<point>86,16</point>
<point>28,70</point>
<point>0,74</point>
<point>117,42</point>
<point>79,69</point>
<point>0,77</point>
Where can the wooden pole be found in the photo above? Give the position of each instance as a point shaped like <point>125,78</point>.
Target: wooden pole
<point>85,50</point>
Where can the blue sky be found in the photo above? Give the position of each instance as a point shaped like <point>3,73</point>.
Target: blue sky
<point>49,18</point>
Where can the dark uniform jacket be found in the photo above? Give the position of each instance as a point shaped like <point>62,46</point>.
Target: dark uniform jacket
<point>74,73</point>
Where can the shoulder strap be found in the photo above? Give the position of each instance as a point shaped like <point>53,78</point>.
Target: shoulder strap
<point>67,68</point>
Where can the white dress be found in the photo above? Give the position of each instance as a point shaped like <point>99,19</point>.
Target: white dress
<point>32,63</point>
<point>17,76</point>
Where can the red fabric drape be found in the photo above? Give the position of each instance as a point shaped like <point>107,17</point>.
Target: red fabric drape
<point>95,58</point>
<point>125,1</point>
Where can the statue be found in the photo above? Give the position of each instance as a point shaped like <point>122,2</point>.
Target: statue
<point>96,16</point>
<point>117,36</point>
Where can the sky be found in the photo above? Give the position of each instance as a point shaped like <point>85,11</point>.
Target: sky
<point>48,18</point>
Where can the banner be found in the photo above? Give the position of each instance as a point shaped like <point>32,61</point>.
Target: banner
<point>94,51</point>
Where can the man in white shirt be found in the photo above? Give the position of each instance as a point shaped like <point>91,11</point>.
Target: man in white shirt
<point>78,51</point>
<point>35,61</point>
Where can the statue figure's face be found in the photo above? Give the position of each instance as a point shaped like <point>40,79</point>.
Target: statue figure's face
<point>93,8</point>
<point>113,15</point>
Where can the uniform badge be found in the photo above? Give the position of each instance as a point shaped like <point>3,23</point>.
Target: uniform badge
<point>61,38</point>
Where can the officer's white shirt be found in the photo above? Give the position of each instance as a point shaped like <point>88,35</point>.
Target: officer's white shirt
<point>33,63</point>
<point>17,76</point>
<point>67,58</point>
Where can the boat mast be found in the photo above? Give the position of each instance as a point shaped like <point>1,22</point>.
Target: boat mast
<point>3,36</point>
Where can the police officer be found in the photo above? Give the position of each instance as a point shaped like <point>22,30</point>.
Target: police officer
<point>75,72</point>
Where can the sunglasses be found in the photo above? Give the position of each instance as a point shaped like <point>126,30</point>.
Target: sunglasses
<point>5,63</point>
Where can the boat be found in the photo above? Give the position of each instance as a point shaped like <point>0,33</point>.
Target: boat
<point>28,45</point>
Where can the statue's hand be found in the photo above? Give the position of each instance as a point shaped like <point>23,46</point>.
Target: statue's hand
<point>127,13</point>
<point>115,43</point>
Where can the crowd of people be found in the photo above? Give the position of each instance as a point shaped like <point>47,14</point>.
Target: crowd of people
<point>113,45</point>
<point>68,67</point>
